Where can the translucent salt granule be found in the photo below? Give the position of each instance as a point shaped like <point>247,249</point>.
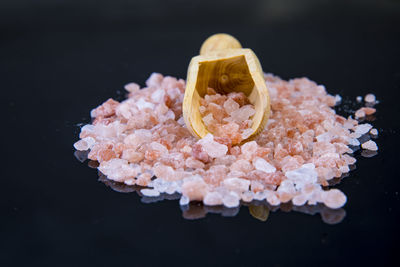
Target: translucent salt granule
<point>231,200</point>
<point>149,192</point>
<point>359,99</point>
<point>262,165</point>
<point>363,128</point>
<point>374,132</point>
<point>85,144</point>
<point>184,200</point>
<point>370,145</point>
<point>212,148</point>
<point>334,198</point>
<point>213,199</point>
<point>370,98</point>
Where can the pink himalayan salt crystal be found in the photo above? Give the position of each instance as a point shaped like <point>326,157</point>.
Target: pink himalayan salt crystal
<point>305,141</point>
<point>360,113</point>
<point>212,148</point>
<point>364,111</point>
<point>370,145</point>
<point>334,198</point>
<point>132,87</point>
<point>370,98</point>
<point>194,188</point>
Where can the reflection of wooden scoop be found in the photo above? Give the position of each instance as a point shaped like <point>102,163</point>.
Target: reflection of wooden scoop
<point>226,67</point>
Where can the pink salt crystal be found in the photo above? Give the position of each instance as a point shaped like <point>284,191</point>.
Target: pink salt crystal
<point>107,109</point>
<point>132,87</point>
<point>249,149</point>
<point>370,98</point>
<point>154,80</point>
<point>193,163</point>
<point>256,186</point>
<point>370,145</point>
<point>243,113</point>
<point>230,106</point>
<point>334,198</point>
<point>132,156</point>
<point>212,199</point>
<point>164,172</point>
<point>194,188</point>
<point>368,111</point>
<point>212,148</point>
<point>273,199</point>
<point>360,113</point>
<point>143,179</point>
<point>242,166</point>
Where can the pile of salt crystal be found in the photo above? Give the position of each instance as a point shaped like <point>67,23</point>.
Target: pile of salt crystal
<point>227,116</point>
<point>303,146</point>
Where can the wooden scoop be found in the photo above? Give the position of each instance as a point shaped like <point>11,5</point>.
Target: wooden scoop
<point>226,67</point>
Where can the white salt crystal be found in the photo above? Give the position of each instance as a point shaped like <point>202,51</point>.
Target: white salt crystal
<point>184,200</point>
<point>359,99</point>
<point>262,165</point>
<point>370,145</point>
<point>246,133</point>
<point>247,196</point>
<point>299,200</point>
<point>231,200</point>
<point>306,174</point>
<point>338,98</point>
<point>333,198</point>
<point>118,169</point>
<point>370,98</point>
<point>212,148</point>
<point>150,192</point>
<point>236,184</point>
<point>85,144</point>
<point>209,119</point>
<point>212,199</point>
<point>142,104</point>
<point>374,131</point>
<point>325,137</point>
<point>261,195</point>
<point>158,96</point>
<point>363,128</point>
<point>354,142</point>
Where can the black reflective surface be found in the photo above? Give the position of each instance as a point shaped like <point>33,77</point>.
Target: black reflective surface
<point>59,59</point>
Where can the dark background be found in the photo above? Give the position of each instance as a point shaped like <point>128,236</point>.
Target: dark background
<point>59,59</point>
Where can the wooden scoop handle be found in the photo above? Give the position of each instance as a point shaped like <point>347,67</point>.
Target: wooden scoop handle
<point>219,41</point>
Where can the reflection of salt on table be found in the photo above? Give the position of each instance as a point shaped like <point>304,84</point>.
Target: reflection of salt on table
<point>303,146</point>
